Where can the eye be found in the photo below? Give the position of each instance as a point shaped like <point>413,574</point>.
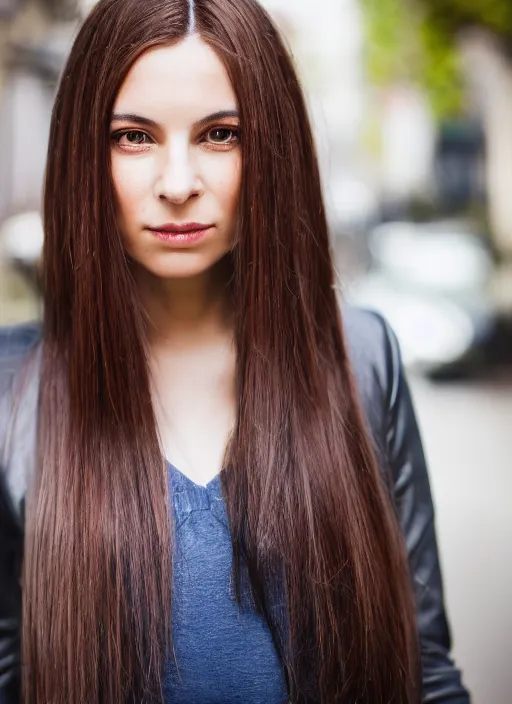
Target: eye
<point>222,136</point>
<point>131,139</point>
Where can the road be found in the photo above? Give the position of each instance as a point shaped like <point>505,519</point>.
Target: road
<point>467,433</point>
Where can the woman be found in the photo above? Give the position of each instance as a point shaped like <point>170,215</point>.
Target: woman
<point>200,433</point>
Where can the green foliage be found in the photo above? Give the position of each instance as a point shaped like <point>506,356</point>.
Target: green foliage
<point>494,15</point>
<point>413,41</point>
<point>441,72</point>
<point>391,47</point>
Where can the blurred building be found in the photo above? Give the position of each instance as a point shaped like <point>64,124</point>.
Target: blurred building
<point>34,44</point>
<point>34,39</point>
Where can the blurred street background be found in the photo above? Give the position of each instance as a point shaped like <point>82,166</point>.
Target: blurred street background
<point>411,102</point>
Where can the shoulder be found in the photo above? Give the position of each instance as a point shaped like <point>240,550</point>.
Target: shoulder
<point>16,344</point>
<point>19,364</point>
<point>372,348</point>
<point>19,383</point>
<point>375,359</point>
<point>19,360</point>
<point>17,340</point>
<point>19,347</point>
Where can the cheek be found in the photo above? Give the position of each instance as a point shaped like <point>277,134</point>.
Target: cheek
<point>226,179</point>
<point>132,183</point>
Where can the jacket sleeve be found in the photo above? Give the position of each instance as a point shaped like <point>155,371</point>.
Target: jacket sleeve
<point>14,345</point>
<point>11,548</point>
<point>441,679</point>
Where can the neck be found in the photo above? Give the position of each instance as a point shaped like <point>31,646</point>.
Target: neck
<point>182,312</point>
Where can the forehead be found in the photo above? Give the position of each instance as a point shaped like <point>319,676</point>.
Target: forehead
<point>186,80</point>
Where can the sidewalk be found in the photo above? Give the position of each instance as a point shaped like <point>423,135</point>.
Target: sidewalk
<point>466,429</point>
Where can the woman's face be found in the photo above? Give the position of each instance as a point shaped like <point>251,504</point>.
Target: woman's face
<point>176,160</point>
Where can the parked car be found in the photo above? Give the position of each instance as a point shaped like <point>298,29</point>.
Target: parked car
<point>431,281</point>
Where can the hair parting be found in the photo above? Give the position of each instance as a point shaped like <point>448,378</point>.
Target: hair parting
<point>191,17</point>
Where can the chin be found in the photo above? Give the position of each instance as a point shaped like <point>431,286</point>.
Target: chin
<point>182,265</point>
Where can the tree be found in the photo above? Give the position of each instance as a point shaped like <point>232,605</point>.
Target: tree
<point>451,16</point>
<point>448,46</point>
<point>482,31</point>
<point>405,44</point>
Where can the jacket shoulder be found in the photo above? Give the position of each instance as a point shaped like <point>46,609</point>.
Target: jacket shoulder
<point>17,340</point>
<point>376,366</point>
<point>373,351</point>
<point>16,343</point>
<point>19,389</point>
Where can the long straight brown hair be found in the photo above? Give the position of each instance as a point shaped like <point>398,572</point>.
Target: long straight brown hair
<point>310,514</point>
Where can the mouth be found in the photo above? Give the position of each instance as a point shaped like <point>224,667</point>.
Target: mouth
<point>181,235</point>
<point>181,228</point>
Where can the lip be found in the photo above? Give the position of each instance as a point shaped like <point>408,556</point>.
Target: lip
<point>181,235</point>
<point>178,229</point>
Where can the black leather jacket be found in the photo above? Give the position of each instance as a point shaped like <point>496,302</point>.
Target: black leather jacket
<point>386,402</point>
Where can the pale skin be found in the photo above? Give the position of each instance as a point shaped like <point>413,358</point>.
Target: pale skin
<point>172,162</point>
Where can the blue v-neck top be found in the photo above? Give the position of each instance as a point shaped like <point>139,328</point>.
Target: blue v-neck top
<point>224,653</point>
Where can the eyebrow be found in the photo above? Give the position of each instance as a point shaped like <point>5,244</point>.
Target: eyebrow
<point>139,119</point>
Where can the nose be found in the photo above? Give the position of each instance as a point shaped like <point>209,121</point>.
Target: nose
<point>177,178</point>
